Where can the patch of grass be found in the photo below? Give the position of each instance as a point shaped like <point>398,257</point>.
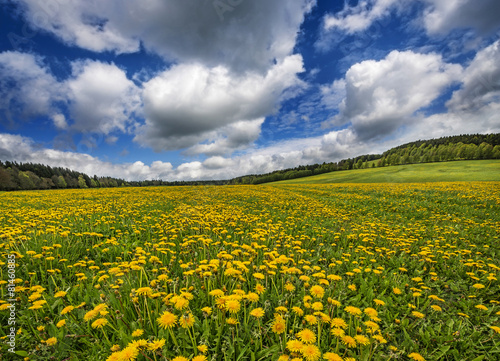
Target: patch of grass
<point>459,171</point>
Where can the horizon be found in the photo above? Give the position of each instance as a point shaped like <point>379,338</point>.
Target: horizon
<point>221,89</point>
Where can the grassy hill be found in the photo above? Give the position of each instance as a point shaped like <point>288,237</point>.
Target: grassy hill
<point>456,171</point>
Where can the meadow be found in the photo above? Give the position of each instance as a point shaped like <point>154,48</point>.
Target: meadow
<point>350,272</point>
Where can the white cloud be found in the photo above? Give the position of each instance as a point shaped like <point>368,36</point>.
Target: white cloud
<point>101,97</point>
<point>188,30</point>
<point>238,135</point>
<point>185,104</point>
<point>481,81</point>
<point>444,16</point>
<point>353,19</point>
<point>27,88</point>
<point>383,95</point>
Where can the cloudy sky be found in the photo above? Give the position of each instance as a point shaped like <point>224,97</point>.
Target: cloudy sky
<point>213,89</point>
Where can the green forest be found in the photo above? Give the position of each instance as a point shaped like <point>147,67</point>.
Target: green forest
<point>27,176</point>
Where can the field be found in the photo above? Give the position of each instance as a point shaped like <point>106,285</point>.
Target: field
<point>350,272</point>
<point>457,171</point>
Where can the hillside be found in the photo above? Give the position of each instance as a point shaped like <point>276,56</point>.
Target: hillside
<point>456,171</point>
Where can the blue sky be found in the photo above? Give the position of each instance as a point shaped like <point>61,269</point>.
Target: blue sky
<point>213,89</point>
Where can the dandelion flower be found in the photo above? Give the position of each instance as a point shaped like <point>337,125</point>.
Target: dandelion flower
<point>416,356</point>
<point>294,345</point>
<point>362,340</point>
<point>137,333</point>
<point>199,358</point>
<point>337,332</point>
<point>348,341</point>
<point>51,341</point>
<point>306,336</point>
<point>396,291</point>
<point>156,344</point>
<point>61,323</point>
<point>129,353</point>
<point>202,348</point>
<point>60,294</point>
<point>180,358</point>
<point>331,356</point>
<point>257,312</point>
<point>317,291</point>
<point>167,320</point>
<point>418,314</point>
<point>353,310</point>
<point>67,309</point>
<point>99,323</point>
<point>187,320</point>
<point>495,328</point>
<point>311,352</point>
<point>278,326</point>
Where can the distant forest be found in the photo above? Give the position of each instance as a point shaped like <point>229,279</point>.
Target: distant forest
<point>25,176</point>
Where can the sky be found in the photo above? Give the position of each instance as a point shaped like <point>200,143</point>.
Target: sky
<point>215,89</point>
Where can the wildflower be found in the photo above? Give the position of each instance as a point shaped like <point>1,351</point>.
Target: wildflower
<point>416,356</point>
<point>187,320</point>
<point>115,348</point>
<point>202,348</point>
<point>61,323</point>
<point>317,291</point>
<point>278,326</point>
<point>207,310</point>
<point>294,345</point>
<point>51,341</point>
<point>156,344</point>
<point>232,305</point>
<point>362,340</point>
<point>298,311</point>
<point>338,322</point>
<point>180,358</point>
<point>60,294</point>
<point>289,287</point>
<point>232,321</point>
<point>99,323</point>
<point>331,356</point>
<point>482,307</point>
<point>353,310</point>
<point>396,291</point>
<point>379,338</point>
<point>257,312</point>
<point>317,306</point>
<point>495,328</point>
<point>436,308</point>
<point>371,312</point>
<point>306,336</point>
<point>144,291</point>
<point>260,289</point>
<point>352,287</point>
<point>90,315</point>
<point>137,333</point>
<point>418,314</point>
<point>199,358</point>
<point>337,332</point>
<point>167,320</point>
<point>311,352</point>
<point>379,302</point>
<point>348,341</point>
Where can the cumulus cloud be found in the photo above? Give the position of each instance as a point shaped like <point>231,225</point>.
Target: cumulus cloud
<point>481,81</point>
<point>238,135</point>
<point>188,102</point>
<point>27,87</point>
<point>444,16</point>
<point>353,19</point>
<point>382,95</point>
<point>101,97</point>
<point>212,32</point>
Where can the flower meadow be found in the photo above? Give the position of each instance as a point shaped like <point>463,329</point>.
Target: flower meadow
<point>350,272</point>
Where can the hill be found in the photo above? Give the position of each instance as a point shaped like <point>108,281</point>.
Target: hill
<point>456,171</point>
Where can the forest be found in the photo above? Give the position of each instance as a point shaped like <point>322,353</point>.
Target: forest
<point>27,176</point>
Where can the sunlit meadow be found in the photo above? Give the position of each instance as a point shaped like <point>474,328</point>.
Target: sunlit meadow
<point>351,272</point>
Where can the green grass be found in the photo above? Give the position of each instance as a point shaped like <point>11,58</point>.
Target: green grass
<point>457,171</point>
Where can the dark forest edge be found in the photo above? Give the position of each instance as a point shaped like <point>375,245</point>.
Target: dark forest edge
<point>28,176</point>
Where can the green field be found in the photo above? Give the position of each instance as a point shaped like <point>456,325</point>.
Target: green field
<point>458,171</point>
<point>274,272</point>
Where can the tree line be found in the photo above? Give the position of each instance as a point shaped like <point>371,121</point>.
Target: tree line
<point>27,176</point>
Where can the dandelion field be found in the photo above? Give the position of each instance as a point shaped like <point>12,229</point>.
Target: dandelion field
<point>351,272</point>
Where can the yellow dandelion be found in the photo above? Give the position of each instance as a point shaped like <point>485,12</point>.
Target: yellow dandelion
<point>416,356</point>
<point>310,352</point>
<point>306,336</point>
<point>257,312</point>
<point>137,333</point>
<point>167,320</point>
<point>51,341</point>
